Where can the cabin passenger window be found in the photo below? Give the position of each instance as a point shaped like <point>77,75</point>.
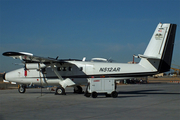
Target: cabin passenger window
<point>64,68</point>
<point>70,68</point>
<point>58,69</point>
<point>81,68</point>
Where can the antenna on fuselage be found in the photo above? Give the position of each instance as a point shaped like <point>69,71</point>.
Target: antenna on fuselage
<point>57,57</point>
<point>84,59</point>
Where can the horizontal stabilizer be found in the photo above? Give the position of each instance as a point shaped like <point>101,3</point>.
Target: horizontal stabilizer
<point>147,57</point>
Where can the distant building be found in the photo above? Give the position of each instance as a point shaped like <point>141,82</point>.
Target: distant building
<point>158,75</point>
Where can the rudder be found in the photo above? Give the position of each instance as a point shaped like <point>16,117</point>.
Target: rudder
<point>165,63</point>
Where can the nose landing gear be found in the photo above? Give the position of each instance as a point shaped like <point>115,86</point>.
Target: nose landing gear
<point>22,88</point>
<point>60,91</point>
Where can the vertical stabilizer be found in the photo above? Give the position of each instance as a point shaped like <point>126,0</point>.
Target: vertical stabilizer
<point>158,54</point>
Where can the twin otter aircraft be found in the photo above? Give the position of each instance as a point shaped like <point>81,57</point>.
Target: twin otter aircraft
<point>62,73</point>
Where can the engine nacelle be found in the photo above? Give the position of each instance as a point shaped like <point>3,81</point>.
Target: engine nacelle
<point>34,65</point>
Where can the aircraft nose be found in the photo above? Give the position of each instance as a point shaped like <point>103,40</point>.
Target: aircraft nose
<point>4,76</point>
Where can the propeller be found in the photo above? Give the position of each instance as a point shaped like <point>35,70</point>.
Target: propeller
<point>44,78</point>
<point>40,76</point>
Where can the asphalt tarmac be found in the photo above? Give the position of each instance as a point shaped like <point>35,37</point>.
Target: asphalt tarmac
<point>134,102</point>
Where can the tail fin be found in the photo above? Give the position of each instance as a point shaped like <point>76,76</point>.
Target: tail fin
<point>158,53</point>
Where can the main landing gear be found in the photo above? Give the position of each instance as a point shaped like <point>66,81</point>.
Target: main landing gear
<point>78,89</point>
<point>61,91</point>
<point>22,88</point>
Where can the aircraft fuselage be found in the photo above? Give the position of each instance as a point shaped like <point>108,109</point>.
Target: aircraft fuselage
<point>78,72</point>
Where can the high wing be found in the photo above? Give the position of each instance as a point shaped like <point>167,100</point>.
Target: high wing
<point>29,57</point>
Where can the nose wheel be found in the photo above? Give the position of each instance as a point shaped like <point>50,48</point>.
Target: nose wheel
<point>60,91</point>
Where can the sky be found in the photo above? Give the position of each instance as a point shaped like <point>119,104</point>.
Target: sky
<point>115,29</point>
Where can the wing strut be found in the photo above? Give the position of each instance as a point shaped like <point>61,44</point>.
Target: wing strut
<point>56,72</point>
<point>63,82</point>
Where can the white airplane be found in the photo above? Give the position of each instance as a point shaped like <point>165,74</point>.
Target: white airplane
<point>62,73</point>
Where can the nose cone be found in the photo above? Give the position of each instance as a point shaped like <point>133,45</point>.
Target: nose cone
<point>4,76</point>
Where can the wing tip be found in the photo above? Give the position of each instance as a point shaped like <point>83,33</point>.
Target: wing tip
<point>16,53</point>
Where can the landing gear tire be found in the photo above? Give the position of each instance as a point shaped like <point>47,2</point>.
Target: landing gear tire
<point>114,94</point>
<point>22,89</point>
<point>94,94</point>
<point>78,90</point>
<point>60,91</point>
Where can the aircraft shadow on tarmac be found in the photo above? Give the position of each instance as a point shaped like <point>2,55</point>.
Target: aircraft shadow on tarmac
<point>47,92</point>
<point>147,92</point>
<point>121,94</point>
<point>143,93</point>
